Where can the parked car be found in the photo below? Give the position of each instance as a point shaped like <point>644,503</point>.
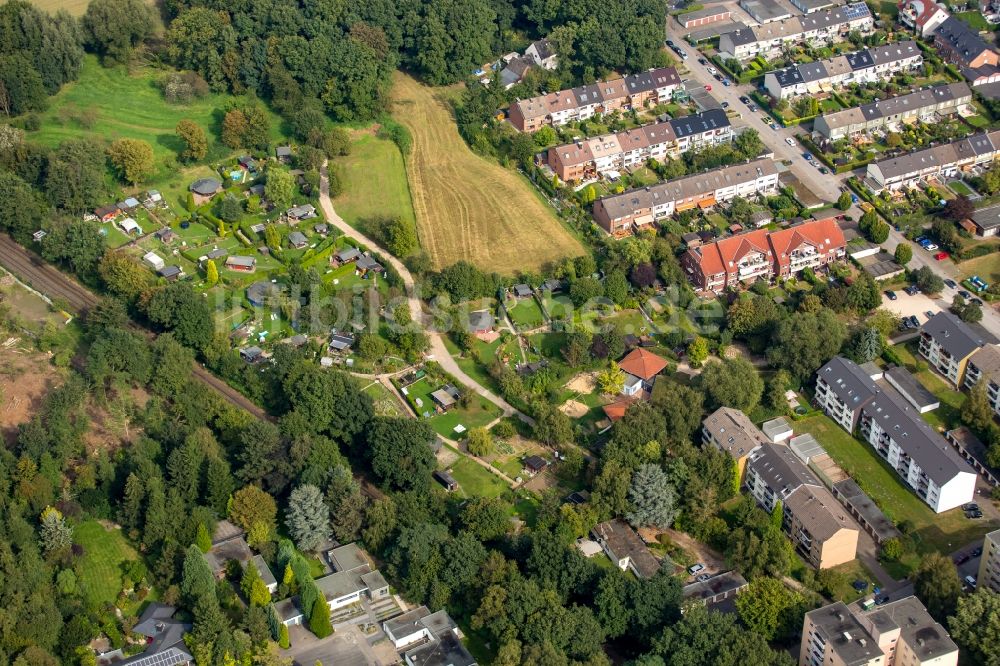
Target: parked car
<point>961,558</point>
<point>860,585</point>
<point>911,290</point>
<point>702,61</point>
<point>703,577</point>
<point>928,314</point>
<point>950,283</point>
<point>974,515</point>
<point>824,170</point>
<point>914,322</point>
<point>964,294</point>
<point>919,239</point>
<point>717,77</point>
<point>931,247</point>
<point>745,99</point>
<point>725,82</point>
<point>970,506</point>
<point>977,551</point>
<point>790,141</point>
<point>890,294</point>
<point>708,87</point>
<point>670,43</point>
<point>941,256</point>
<point>970,581</point>
<point>978,301</point>
<point>712,70</point>
<point>695,568</point>
<point>881,601</point>
<point>807,157</point>
<point>751,107</point>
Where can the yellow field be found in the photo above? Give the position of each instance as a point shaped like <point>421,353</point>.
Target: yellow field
<point>78,7</point>
<point>466,207</point>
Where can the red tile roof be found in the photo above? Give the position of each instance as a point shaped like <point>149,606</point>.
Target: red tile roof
<point>643,364</point>
<point>821,234</point>
<point>616,410</point>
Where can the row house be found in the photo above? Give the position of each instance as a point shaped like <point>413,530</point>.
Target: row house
<point>822,27</point>
<point>984,366</point>
<point>960,44</point>
<point>897,432</point>
<point>948,343</point>
<point>937,161</point>
<point>640,208</point>
<point>588,158</point>
<point>565,106</point>
<point>861,67</point>
<point>763,255</point>
<point>819,527</point>
<point>923,17</point>
<point>920,105</point>
<point>897,633</point>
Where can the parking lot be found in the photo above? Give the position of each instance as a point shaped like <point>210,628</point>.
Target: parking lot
<point>906,305</point>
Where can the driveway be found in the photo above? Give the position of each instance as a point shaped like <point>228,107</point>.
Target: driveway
<point>346,647</point>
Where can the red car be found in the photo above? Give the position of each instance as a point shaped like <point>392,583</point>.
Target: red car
<point>941,256</point>
<point>708,88</point>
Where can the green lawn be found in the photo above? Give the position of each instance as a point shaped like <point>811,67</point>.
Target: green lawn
<point>959,187</point>
<point>942,532</point>
<point>107,104</point>
<point>526,314</point>
<point>374,181</point>
<point>100,568</point>
<point>976,20</point>
<point>559,306</point>
<point>474,480</point>
<point>479,413</point>
<point>385,403</point>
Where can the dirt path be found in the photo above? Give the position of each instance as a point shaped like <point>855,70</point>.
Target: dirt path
<point>438,351</point>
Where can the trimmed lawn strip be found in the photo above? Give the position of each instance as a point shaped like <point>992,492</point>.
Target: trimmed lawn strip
<point>474,480</point>
<point>104,551</point>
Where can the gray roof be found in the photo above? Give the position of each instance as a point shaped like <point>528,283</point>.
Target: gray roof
<point>911,104</point>
<point>734,431</point>
<point>627,203</point>
<point>341,584</point>
<point>987,218</point>
<point>858,60</point>
<point>910,388</point>
<point>938,156</point>
<point>961,37</point>
<point>348,557</point>
<point>374,580</point>
<point>850,492</point>
<point>206,186</point>
<point>167,645</point>
<point>952,334</point>
<point>241,261</point>
<point>170,271</point>
<point>348,254</point>
<point>819,512</point>
<point>623,541</point>
<point>844,634</point>
<point>723,583</point>
<point>704,12</point>
<point>259,291</point>
<point>283,151</point>
<point>926,638</point>
<point>848,381</point>
<point>446,651</point>
<point>297,238</point>
<point>929,450</point>
<point>303,211</point>
<point>894,52</point>
<point>776,427</point>
<point>408,623</point>
<point>367,263</point>
<point>699,123</point>
<point>781,470</point>
<point>764,10</point>
<point>987,360</point>
<point>544,48</point>
<point>480,320</point>
<point>264,571</point>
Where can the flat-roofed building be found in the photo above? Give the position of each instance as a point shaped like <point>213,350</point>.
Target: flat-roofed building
<point>865,511</point>
<point>704,16</point>
<point>899,633</point>
<point>911,389</point>
<point>986,221</point>
<point>925,105</point>
<point>947,343</point>
<point>640,208</point>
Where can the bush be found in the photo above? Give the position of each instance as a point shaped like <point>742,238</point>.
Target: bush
<point>396,133</point>
<point>319,621</point>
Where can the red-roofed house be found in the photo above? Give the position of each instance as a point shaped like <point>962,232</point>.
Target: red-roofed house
<point>640,367</point>
<point>616,410</point>
<point>760,254</point>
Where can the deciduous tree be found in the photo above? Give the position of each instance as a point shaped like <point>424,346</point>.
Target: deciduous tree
<point>975,626</point>
<point>114,28</point>
<point>132,159</point>
<point>400,452</point>
<point>936,584</point>
<point>733,382</point>
<point>194,138</point>
<point>280,187</point>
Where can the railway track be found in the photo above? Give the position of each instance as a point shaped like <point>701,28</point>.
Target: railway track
<point>47,279</point>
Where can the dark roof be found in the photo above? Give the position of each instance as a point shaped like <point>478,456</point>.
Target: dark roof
<point>723,583</point>
<point>910,388</point>
<point>535,463</point>
<point>987,218</point>
<point>297,238</point>
<point>480,320</point>
<point>850,493</point>
<point>259,291</point>
<point>952,334</point>
<point>781,470</point>
<point>170,271</point>
<point>928,639</point>
<point>283,151</point>
<point>699,123</point>
<point>860,60</point>
<point>965,41</point>
<point>166,646</point>
<point>622,540</point>
<point>522,290</point>
<point>544,48</point>
<point>367,263</point>
<point>206,186</point>
<point>847,636</point>
<point>848,381</point>
<point>446,651</point>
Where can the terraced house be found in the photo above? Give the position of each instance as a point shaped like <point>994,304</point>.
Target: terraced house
<point>897,432</point>
<point>865,66</point>
<point>823,27</point>
<point>588,158</point>
<point>984,366</point>
<point>925,105</point>
<point>636,209</point>
<point>961,45</point>
<point>935,162</point>
<point>762,255</point>
<point>565,106</point>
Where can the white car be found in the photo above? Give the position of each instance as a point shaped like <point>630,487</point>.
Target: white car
<point>790,141</point>
<point>713,71</point>
<point>930,247</point>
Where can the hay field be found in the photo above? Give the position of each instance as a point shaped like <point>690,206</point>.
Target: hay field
<point>466,207</point>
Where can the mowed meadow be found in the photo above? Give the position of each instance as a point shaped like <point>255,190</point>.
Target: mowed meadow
<point>467,207</point>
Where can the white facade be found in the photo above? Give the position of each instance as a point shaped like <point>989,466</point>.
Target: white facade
<point>838,410</point>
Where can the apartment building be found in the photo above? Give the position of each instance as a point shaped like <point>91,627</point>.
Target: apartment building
<point>842,389</point>
<point>944,161</point>
<point>588,158</point>
<point>947,343</point>
<point>989,564</point>
<point>921,16</point>
<point>960,44</point>
<point>899,633</point>
<point>639,208</point>
<point>817,524</point>
<point>565,106</point>
<point>864,66</point>
<point>823,27</point>
<point>732,431</point>
<point>926,105</point>
<point>764,255</point>
<point>896,431</point>
<point>984,366</point>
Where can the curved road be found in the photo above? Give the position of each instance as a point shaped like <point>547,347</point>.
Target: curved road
<point>439,352</point>
<point>47,279</point>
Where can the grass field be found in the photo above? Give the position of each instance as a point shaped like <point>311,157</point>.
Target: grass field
<point>986,267</point>
<point>942,532</point>
<point>466,207</point>
<point>106,104</point>
<point>474,480</point>
<point>374,179</point>
<point>103,553</point>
